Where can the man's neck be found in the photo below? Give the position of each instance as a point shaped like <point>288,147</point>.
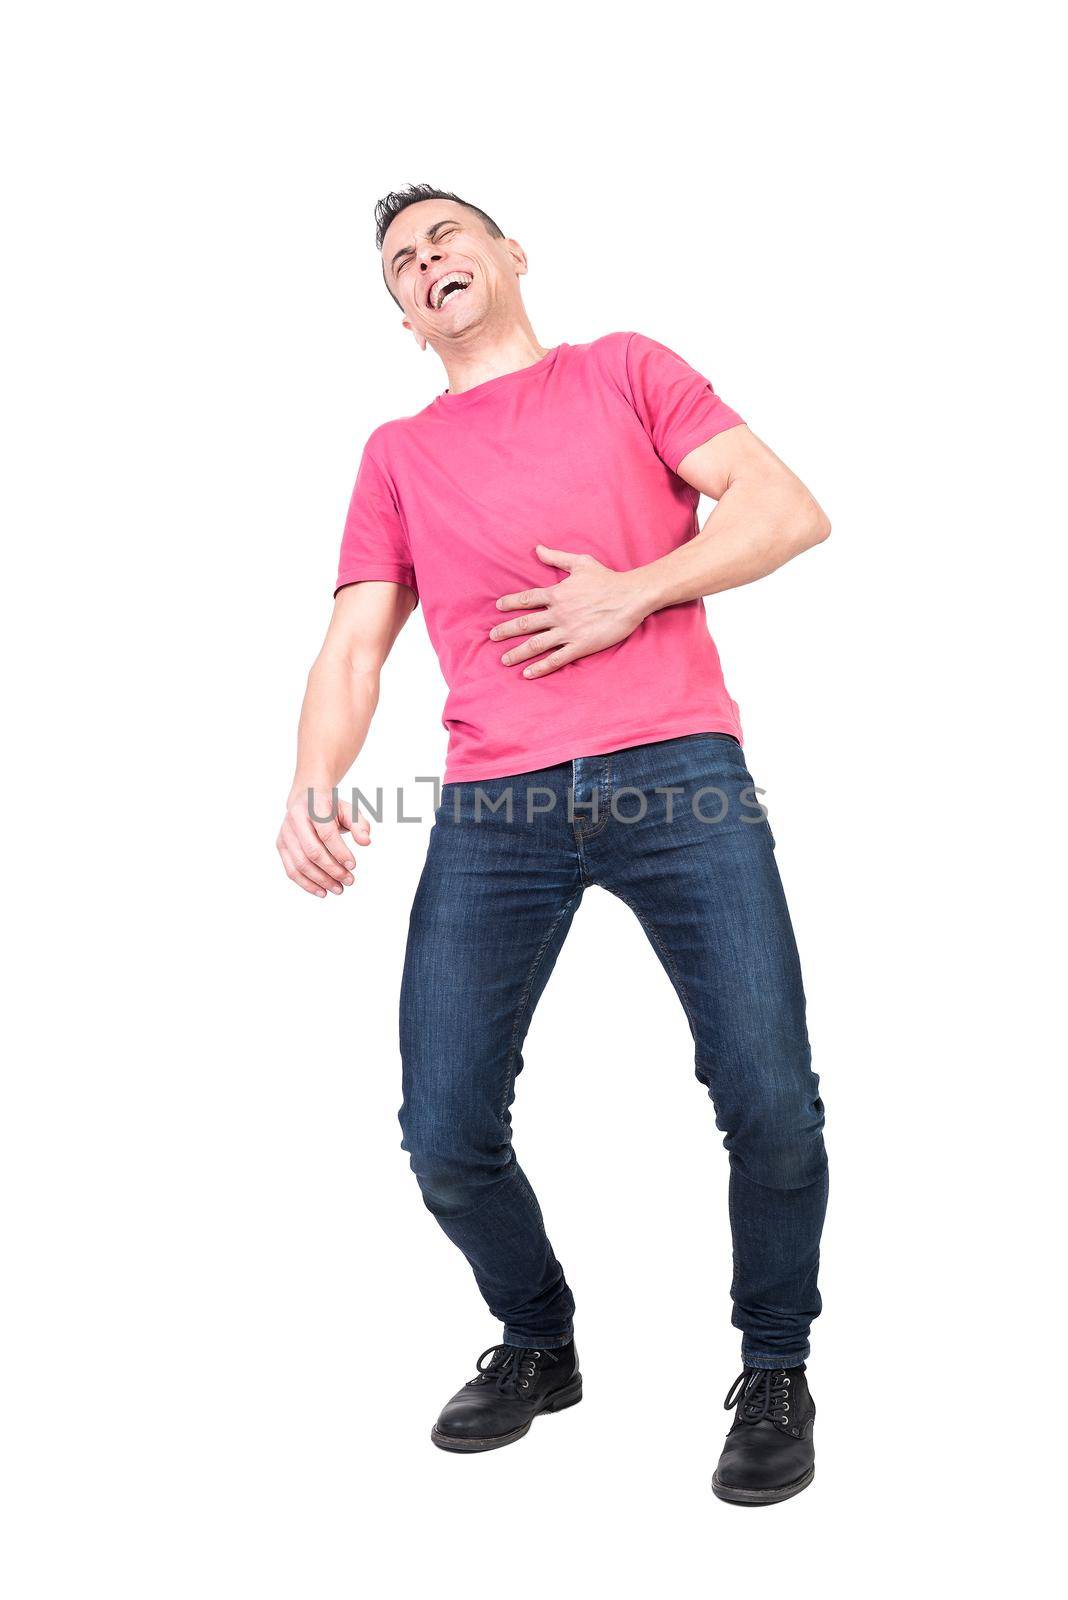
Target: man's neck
<point>491,356</point>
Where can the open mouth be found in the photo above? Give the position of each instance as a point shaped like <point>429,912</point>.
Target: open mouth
<point>447,288</point>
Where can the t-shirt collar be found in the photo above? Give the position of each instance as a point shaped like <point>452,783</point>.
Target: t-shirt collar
<point>493,386</point>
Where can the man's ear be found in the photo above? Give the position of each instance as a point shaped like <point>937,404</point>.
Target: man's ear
<point>518,255</point>
<point>420,338</point>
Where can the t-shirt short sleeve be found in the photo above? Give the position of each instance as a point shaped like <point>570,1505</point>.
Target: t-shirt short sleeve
<point>375,543</point>
<point>677,407</point>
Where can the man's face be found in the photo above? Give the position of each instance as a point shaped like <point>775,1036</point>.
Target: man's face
<point>446,271</point>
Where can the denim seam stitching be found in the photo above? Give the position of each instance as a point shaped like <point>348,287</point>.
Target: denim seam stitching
<point>576,821</point>
<point>509,1075</point>
<point>759,1360</point>
<point>604,788</point>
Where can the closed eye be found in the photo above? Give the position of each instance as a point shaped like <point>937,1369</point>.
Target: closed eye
<point>444,232</point>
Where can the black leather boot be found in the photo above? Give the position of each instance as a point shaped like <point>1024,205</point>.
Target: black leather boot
<point>498,1405</point>
<point>769,1453</point>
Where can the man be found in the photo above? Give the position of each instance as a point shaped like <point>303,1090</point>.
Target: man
<point>543,509</point>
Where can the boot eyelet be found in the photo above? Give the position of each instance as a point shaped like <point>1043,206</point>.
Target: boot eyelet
<point>524,1384</point>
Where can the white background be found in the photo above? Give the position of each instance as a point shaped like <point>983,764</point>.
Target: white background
<point>229,1321</point>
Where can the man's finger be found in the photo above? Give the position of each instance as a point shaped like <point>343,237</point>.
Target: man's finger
<point>314,849</point>
<point>557,558</point>
<point>553,663</point>
<point>318,874</point>
<point>527,597</point>
<point>351,822</point>
<point>330,834</point>
<point>535,646</point>
<point>527,624</point>
<point>301,879</point>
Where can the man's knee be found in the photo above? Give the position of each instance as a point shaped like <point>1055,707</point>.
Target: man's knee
<point>774,1131</point>
<point>445,1186</point>
<point>453,1161</point>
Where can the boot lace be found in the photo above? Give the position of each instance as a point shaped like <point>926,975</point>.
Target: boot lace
<point>760,1395</point>
<point>510,1367</point>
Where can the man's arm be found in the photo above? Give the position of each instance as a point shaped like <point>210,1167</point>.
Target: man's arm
<point>338,706</point>
<point>764,516</point>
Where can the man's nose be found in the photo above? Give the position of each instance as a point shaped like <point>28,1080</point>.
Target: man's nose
<point>428,258</point>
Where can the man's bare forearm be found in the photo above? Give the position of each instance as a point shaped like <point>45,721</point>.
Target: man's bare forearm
<point>342,691</point>
<point>339,703</point>
<point>753,530</point>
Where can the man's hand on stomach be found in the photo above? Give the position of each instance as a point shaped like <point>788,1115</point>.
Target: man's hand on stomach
<point>589,610</point>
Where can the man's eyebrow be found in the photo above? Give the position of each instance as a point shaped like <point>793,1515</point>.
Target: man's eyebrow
<point>431,234</point>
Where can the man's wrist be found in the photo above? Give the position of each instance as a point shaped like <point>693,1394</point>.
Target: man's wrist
<point>645,592</point>
<point>302,783</point>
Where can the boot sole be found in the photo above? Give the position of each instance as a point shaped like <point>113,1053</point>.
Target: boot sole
<point>570,1395</point>
<point>760,1497</point>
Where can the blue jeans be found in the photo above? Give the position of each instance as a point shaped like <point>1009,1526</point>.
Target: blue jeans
<point>674,829</point>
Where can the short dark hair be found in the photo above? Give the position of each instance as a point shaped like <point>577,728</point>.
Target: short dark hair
<point>398,200</point>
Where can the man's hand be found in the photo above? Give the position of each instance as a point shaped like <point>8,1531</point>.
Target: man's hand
<point>314,854</point>
<point>589,610</point>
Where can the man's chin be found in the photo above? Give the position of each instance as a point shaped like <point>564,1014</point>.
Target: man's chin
<point>463,320</point>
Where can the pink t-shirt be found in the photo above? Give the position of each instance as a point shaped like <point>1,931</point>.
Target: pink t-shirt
<point>577,452</point>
